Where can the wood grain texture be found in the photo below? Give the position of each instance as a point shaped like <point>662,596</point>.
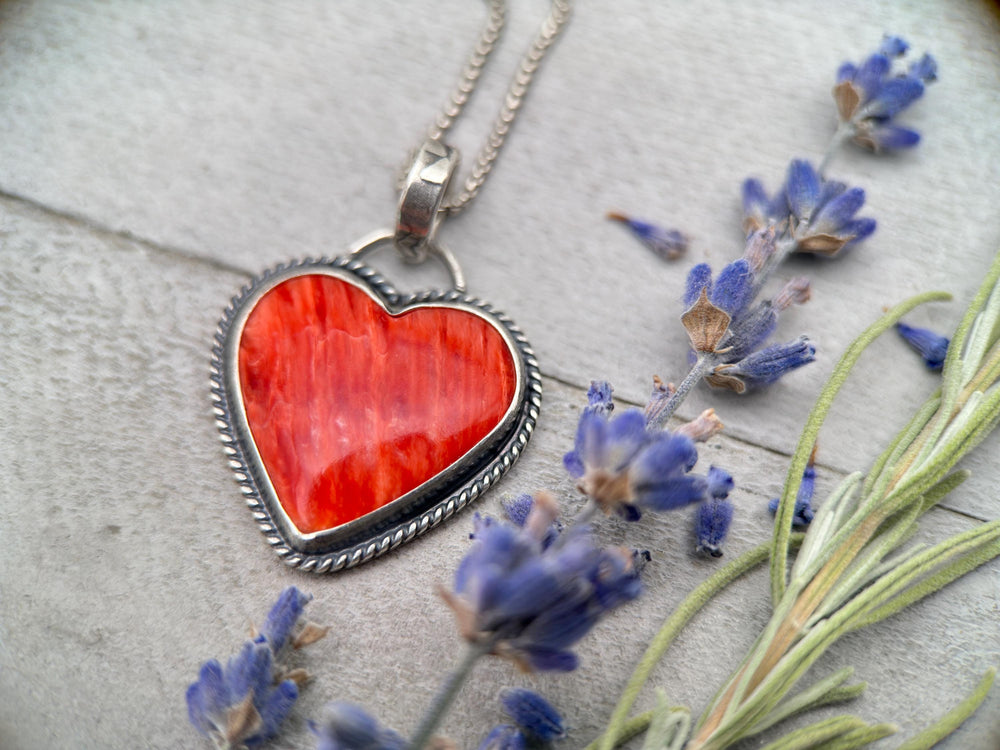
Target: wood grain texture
<point>155,155</point>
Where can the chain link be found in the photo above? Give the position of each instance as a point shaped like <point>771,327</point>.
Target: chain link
<point>550,29</point>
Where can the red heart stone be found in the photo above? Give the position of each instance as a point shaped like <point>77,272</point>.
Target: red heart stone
<point>351,406</point>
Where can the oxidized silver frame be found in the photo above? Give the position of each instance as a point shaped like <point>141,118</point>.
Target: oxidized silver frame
<point>415,512</point>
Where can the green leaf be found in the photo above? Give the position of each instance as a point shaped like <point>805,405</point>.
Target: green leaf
<point>629,729</point>
<point>825,691</point>
<point>914,593</point>
<point>965,352</point>
<point>859,737</point>
<point>810,736</point>
<point>954,718</point>
<point>669,727</point>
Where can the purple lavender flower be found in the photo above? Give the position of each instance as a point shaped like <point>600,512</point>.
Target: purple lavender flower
<point>517,599</point>
<point>283,617</point>
<point>731,292</point>
<point>345,726</point>
<point>699,279</point>
<point>284,625</point>
<point>823,212</point>
<point>925,69</point>
<point>712,305</point>
<point>749,332</point>
<point>535,716</point>
<point>933,347</point>
<point>240,704</point>
<point>714,519</point>
<point>504,737</point>
<point>803,513</point>
<point>765,366</point>
<point>715,514</point>
<point>761,211</point>
<point>722,322</point>
<point>599,398</point>
<point>668,244</point>
<point>518,511</point>
<point>624,468</point>
<point>720,483</point>
<point>244,702</point>
<point>870,95</point>
<point>815,215</point>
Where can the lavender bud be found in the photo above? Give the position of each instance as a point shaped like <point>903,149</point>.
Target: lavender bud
<point>932,346</point>
<point>668,244</point>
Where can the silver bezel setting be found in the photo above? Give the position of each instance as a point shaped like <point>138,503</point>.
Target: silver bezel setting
<point>417,511</point>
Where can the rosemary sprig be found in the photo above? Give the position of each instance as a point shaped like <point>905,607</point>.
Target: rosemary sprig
<point>850,573</point>
<point>852,570</point>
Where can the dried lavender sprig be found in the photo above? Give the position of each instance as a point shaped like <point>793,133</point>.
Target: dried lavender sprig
<point>809,215</point>
<point>869,96</point>
<point>246,701</point>
<point>447,693</point>
<point>725,330</point>
<point>626,469</point>
<point>521,594</point>
<point>627,465</point>
<point>728,333</point>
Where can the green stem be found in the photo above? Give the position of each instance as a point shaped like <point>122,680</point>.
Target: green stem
<point>705,362</point>
<point>810,736</point>
<point>860,737</point>
<point>881,471</point>
<point>753,708</point>
<point>631,728</point>
<point>782,249</point>
<point>851,617</point>
<point>844,131</point>
<point>446,694</point>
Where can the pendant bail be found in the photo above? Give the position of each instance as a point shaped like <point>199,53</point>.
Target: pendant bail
<point>420,201</point>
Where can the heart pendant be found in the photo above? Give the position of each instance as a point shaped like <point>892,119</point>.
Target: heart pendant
<point>355,417</point>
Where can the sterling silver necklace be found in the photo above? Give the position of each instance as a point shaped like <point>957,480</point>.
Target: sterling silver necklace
<point>356,417</point>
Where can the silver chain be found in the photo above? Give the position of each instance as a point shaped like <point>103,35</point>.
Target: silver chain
<point>547,34</point>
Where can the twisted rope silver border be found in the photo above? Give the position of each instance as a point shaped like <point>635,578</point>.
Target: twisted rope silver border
<point>478,482</point>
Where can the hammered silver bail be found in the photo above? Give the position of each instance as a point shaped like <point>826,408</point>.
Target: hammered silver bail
<point>420,201</point>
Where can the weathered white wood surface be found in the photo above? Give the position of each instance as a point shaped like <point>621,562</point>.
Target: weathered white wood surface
<point>154,155</point>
